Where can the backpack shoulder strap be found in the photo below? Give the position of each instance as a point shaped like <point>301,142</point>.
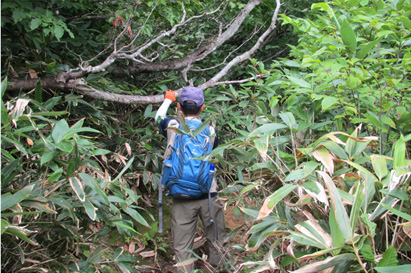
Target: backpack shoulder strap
<point>171,137</point>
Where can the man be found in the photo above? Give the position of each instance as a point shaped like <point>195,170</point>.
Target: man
<point>185,212</point>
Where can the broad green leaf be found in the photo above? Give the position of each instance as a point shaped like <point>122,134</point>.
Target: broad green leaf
<point>4,224</point>
<point>379,165</point>
<point>257,238</point>
<point>47,157</point>
<point>399,153</point>
<point>59,130</point>
<point>355,209</point>
<point>90,209</point>
<point>77,187</point>
<point>122,225</point>
<point>405,268</point>
<point>288,119</point>
<point>373,119</point>
<point>397,212</point>
<point>389,258</point>
<point>329,10</point>
<point>136,216</point>
<point>336,149</point>
<point>273,199</point>
<point>388,200</point>
<point>328,102</point>
<point>341,215</point>
<point>100,152</point>
<point>312,229</point>
<point>200,128</point>
<point>368,254</point>
<point>267,129</point>
<point>183,123</point>
<point>58,32</point>
<point>38,92</point>
<point>295,175</point>
<point>389,122</point>
<point>304,240</point>
<point>92,183</point>
<point>327,263</point>
<point>367,48</point>
<point>21,233</point>
<point>406,21</point>
<point>299,82</point>
<point>148,111</point>
<point>10,200</point>
<point>348,36</point>
<point>35,23</point>
<point>261,144</point>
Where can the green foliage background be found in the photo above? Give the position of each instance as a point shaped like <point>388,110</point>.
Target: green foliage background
<point>314,157</point>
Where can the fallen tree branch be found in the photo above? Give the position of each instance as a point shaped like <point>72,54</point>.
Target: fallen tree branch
<point>73,80</point>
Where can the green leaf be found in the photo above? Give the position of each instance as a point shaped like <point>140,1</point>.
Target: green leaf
<point>389,258</point>
<point>90,209</point>
<point>397,212</point>
<point>77,187</point>
<point>405,268</point>
<point>148,111</point>
<point>379,165</point>
<point>273,199</point>
<point>21,233</point>
<point>348,36</point>
<point>288,119</point>
<point>58,32</point>
<point>355,209</point>
<point>341,215</point>
<point>200,128</point>
<point>136,216</point>
<point>399,153</point>
<point>261,144</point>
<point>267,129</point>
<point>304,240</point>
<point>368,254</point>
<point>56,175</point>
<point>406,21</point>
<point>299,82</point>
<point>59,130</point>
<point>38,92</point>
<point>329,10</point>
<point>10,200</point>
<point>327,263</point>
<point>328,102</point>
<point>92,183</point>
<point>47,157</point>
<point>295,175</point>
<point>367,48</point>
<point>35,23</point>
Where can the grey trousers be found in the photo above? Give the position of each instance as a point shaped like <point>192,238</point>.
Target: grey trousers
<point>184,223</point>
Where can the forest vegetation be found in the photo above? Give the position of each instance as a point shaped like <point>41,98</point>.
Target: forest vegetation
<point>311,101</point>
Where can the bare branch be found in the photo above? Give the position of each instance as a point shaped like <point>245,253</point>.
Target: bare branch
<point>245,55</point>
<point>73,80</point>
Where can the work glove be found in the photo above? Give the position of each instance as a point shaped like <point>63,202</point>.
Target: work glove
<point>171,95</point>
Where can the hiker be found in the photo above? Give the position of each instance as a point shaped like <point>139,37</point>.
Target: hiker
<point>186,209</point>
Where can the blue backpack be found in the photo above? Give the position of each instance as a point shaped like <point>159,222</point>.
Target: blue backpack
<point>184,176</point>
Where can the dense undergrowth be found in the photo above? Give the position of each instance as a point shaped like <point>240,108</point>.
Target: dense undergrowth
<point>314,161</point>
